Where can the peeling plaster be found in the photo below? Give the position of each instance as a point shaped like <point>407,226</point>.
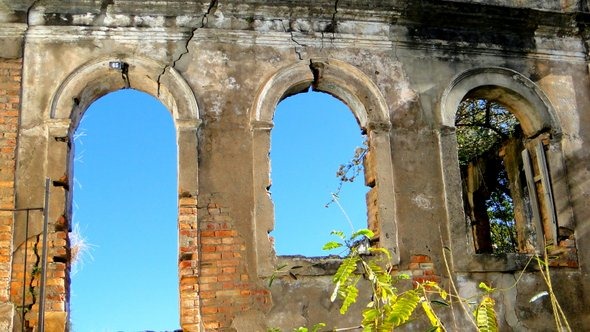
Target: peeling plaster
<point>83,19</point>
<point>231,83</point>
<point>422,201</point>
<point>116,20</point>
<point>150,21</point>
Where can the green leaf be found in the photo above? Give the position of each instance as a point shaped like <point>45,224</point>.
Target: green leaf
<point>403,276</point>
<point>340,234</point>
<point>370,320</point>
<point>485,315</point>
<point>274,274</point>
<point>404,307</point>
<point>485,288</point>
<point>380,251</point>
<point>370,314</point>
<point>345,269</point>
<point>272,278</point>
<point>366,232</point>
<point>432,317</point>
<point>317,327</point>
<point>349,293</point>
<point>331,245</point>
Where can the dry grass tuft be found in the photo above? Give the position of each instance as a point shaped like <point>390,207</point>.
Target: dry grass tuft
<point>81,250</point>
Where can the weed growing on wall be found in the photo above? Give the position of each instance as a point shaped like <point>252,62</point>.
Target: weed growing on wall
<point>81,249</point>
<point>388,307</point>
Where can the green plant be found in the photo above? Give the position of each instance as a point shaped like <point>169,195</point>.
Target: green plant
<point>387,308</point>
<point>485,314</point>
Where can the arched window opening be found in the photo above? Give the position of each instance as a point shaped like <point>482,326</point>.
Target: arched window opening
<point>484,129</point>
<point>314,135</point>
<point>125,205</point>
<point>505,179</point>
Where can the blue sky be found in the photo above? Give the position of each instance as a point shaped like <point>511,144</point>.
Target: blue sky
<point>125,201</point>
<point>314,133</point>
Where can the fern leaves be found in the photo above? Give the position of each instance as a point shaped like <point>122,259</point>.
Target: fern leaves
<point>346,283</point>
<point>387,308</point>
<point>485,315</point>
<point>345,269</point>
<point>349,294</point>
<point>402,309</point>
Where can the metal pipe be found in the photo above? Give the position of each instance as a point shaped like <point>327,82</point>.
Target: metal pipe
<point>41,324</point>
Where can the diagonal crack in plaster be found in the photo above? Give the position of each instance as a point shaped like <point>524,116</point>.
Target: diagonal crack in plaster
<point>297,43</point>
<point>331,28</point>
<point>212,5</point>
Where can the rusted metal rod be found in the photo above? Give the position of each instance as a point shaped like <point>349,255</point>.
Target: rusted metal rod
<point>41,327</point>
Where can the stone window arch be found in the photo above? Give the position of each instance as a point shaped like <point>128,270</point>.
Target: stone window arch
<point>541,150</point>
<point>362,96</point>
<point>45,152</point>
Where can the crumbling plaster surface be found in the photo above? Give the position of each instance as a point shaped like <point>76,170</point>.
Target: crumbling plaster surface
<point>225,51</point>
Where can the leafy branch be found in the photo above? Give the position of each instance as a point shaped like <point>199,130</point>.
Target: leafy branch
<point>350,170</point>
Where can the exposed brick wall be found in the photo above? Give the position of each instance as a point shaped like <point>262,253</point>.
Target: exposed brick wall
<point>226,287</point>
<point>10,86</point>
<point>26,282</point>
<point>565,254</point>
<point>188,263</point>
<point>421,269</point>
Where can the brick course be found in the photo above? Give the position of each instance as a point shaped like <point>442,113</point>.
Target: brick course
<point>226,288</point>
<point>10,88</point>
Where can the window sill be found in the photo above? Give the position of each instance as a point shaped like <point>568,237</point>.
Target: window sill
<point>308,266</point>
<point>508,262</point>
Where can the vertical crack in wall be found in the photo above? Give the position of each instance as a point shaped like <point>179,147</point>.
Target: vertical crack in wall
<point>332,27</point>
<point>290,30</point>
<point>212,5</point>
<point>297,43</point>
<point>34,271</point>
<point>334,23</point>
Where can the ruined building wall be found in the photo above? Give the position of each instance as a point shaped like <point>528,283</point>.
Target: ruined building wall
<point>221,67</point>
